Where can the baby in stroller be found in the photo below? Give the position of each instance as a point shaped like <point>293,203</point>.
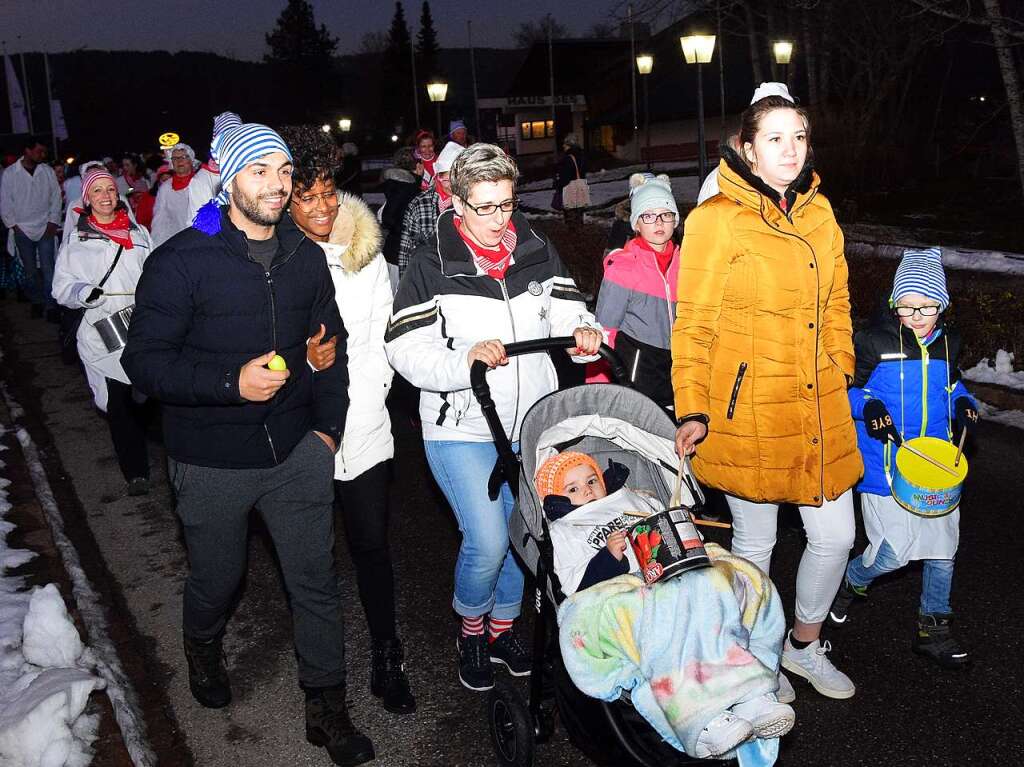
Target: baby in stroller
<point>698,653</point>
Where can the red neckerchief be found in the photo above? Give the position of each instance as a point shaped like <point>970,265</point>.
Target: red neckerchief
<point>180,182</point>
<point>664,256</point>
<point>118,230</point>
<point>212,167</point>
<point>444,201</point>
<point>494,262</point>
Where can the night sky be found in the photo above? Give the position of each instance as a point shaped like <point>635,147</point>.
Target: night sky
<point>199,25</point>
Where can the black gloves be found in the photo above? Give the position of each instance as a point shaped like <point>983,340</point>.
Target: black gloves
<point>879,423</point>
<point>94,294</point>
<point>966,417</point>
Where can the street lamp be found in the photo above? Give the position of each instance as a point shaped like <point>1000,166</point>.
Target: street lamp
<point>697,49</point>
<point>325,128</point>
<point>644,65</point>
<point>783,50</point>
<point>437,90</point>
<point>345,124</point>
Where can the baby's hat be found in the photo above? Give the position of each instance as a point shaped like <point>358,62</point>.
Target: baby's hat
<point>648,192</point>
<point>920,271</point>
<point>550,477</point>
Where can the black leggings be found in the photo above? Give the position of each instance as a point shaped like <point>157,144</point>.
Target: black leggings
<point>365,512</point>
<point>127,423</point>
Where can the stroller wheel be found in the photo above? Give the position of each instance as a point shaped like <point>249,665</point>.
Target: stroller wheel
<point>511,729</point>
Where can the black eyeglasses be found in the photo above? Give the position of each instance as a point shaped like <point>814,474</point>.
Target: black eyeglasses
<point>490,208</point>
<point>668,217</point>
<point>910,311</point>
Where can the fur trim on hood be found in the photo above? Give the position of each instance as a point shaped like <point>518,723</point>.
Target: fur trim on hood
<point>399,174</point>
<point>357,228</point>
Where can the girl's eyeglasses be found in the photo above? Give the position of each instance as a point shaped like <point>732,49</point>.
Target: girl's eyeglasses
<point>668,217</point>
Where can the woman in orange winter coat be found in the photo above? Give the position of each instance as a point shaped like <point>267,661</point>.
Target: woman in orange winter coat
<point>762,351</point>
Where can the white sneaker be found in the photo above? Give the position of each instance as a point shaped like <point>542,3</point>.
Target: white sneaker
<point>722,734</point>
<point>769,719</point>
<point>813,665</point>
<point>785,693</point>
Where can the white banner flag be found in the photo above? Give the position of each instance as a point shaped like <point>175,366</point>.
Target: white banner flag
<point>60,130</point>
<point>19,117</point>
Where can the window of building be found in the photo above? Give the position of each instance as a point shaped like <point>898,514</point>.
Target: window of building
<point>537,129</point>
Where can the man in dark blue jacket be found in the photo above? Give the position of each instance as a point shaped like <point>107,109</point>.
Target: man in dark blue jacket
<point>215,305</point>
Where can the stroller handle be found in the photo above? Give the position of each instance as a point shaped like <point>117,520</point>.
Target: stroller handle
<point>478,371</point>
<point>507,465</point>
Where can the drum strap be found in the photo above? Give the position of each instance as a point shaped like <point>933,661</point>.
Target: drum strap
<point>949,391</point>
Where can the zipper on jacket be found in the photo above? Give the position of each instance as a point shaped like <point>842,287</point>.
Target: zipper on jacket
<point>636,364</point>
<point>736,389</point>
<point>512,321</point>
<point>273,452</point>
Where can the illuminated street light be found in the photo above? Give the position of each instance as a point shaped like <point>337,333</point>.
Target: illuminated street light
<point>783,50</point>
<point>437,90</point>
<point>698,49</point>
<point>345,124</point>
<point>644,65</point>
<point>325,128</point>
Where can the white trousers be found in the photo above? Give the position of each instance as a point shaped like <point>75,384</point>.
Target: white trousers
<point>830,532</point>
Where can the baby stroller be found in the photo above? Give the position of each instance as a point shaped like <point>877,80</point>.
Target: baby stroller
<point>607,421</point>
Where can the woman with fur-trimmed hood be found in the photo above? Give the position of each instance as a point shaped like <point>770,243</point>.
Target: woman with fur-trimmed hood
<point>350,236</point>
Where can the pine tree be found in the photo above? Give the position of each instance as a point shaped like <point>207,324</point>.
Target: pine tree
<point>296,39</point>
<point>426,46</point>
<point>397,105</point>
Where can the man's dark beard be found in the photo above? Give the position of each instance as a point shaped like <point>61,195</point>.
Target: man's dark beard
<point>249,207</point>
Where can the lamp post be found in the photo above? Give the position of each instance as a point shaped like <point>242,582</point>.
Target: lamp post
<point>698,49</point>
<point>437,90</point>
<point>644,65</point>
<point>344,125</point>
<point>783,51</point>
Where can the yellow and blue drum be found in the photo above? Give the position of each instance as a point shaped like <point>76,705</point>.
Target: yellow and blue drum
<point>922,488</point>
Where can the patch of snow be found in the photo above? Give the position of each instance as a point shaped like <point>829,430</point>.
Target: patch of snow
<point>44,680</point>
<point>1001,372</point>
<point>1014,418</point>
<point>101,657</point>
<point>607,194</point>
<point>860,242</point>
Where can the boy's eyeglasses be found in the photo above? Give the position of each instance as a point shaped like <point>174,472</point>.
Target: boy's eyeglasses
<point>489,209</point>
<point>910,311</point>
<point>667,217</point>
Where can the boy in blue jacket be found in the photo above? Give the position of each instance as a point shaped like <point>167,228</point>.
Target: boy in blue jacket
<point>907,385</point>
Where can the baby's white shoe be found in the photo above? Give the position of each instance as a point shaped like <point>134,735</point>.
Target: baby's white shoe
<point>769,718</point>
<point>722,734</point>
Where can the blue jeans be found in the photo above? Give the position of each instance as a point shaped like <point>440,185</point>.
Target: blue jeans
<point>487,577</point>
<point>936,578</point>
<point>38,276</point>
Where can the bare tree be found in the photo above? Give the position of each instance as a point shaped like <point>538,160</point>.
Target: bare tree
<point>530,32</point>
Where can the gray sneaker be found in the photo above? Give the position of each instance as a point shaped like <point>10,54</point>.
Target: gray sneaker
<point>785,693</point>
<point>812,664</point>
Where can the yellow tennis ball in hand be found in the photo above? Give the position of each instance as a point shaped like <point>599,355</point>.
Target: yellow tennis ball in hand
<point>277,363</point>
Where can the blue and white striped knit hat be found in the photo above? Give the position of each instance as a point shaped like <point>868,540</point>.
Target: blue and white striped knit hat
<point>221,123</point>
<point>242,146</point>
<point>920,271</point>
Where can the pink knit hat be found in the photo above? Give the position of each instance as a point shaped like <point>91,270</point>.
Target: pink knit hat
<point>94,175</point>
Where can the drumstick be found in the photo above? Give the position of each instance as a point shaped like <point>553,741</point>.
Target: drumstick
<point>640,514</point>
<point>960,447</point>
<point>709,523</point>
<point>930,460</point>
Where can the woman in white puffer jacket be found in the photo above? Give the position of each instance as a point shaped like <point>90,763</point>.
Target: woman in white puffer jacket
<point>104,233</point>
<point>348,232</point>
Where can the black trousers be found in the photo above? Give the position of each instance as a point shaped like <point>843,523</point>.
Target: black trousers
<point>294,499</point>
<point>127,421</point>
<point>365,513</point>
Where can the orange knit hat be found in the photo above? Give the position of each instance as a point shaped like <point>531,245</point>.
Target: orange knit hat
<point>550,477</point>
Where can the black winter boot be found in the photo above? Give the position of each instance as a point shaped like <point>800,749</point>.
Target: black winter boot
<point>387,677</point>
<point>207,674</point>
<point>328,725</point>
<point>935,641</point>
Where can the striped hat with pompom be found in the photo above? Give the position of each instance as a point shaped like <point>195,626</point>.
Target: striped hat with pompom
<point>920,271</point>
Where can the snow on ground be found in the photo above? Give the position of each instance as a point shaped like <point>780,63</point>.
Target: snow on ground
<point>1001,372</point>
<point>45,672</point>
<point>100,658</point>
<point>605,194</point>
<point>890,242</point>
<point>615,174</point>
<point>1014,418</point>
